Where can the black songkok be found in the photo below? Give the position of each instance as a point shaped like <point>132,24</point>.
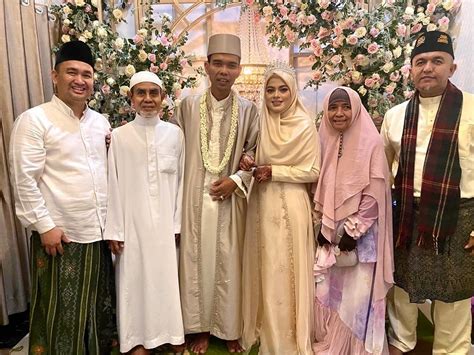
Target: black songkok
<point>433,41</point>
<point>75,50</point>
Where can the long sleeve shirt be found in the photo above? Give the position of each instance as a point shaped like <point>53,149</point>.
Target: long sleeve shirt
<point>392,130</point>
<point>59,170</point>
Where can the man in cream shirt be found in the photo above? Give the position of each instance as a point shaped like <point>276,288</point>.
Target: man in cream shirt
<point>58,163</point>
<point>429,146</point>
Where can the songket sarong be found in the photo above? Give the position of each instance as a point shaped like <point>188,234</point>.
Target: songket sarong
<point>446,277</point>
<point>72,300</point>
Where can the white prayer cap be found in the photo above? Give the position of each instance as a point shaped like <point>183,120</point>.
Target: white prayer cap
<point>145,77</point>
<point>224,43</point>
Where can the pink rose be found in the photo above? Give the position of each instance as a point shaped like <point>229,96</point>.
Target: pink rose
<point>290,35</point>
<point>164,40</point>
<point>372,102</point>
<point>395,76</point>
<point>401,30</point>
<point>249,2</point>
<point>376,77</point>
<point>283,10</point>
<point>443,23</point>
<point>338,30</point>
<point>374,32</point>
<point>324,3</point>
<point>138,39</point>
<point>416,28</point>
<point>183,63</point>
<point>338,41</point>
<point>327,15</point>
<point>352,40</point>
<point>323,32</point>
<point>292,18</point>
<point>430,9</point>
<point>311,19</point>
<point>105,89</point>
<point>336,59</point>
<point>373,48</point>
<point>153,68</point>
<point>88,8</point>
<point>405,70</point>
<point>317,75</point>
<point>318,51</point>
<point>64,29</point>
<point>152,57</point>
<point>163,66</point>
<point>390,88</point>
<point>369,82</point>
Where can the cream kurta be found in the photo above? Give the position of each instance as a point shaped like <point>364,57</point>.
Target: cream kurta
<point>146,162</point>
<point>211,301</point>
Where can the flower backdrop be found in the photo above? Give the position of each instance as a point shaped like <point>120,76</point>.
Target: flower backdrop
<point>366,50</point>
<point>153,48</point>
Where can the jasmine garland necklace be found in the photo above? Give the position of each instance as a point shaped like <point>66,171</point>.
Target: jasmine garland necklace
<point>204,134</point>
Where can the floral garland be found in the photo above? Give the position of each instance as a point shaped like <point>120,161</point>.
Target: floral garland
<point>204,134</point>
<point>367,50</point>
<point>154,47</point>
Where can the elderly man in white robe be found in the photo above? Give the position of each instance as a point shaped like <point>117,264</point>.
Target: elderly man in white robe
<point>146,162</point>
<point>218,127</point>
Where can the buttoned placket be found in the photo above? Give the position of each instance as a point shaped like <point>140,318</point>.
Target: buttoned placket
<point>152,160</point>
<point>92,160</point>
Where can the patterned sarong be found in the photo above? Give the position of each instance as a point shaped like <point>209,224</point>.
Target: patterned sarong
<point>72,300</point>
<point>446,277</point>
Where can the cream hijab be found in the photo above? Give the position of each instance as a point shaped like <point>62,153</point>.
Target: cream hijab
<point>290,137</point>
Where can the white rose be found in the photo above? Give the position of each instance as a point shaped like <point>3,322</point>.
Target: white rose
<point>110,81</point>
<point>164,103</point>
<point>142,55</point>
<point>92,103</point>
<point>268,10</point>
<point>129,70</point>
<point>356,75</point>
<point>397,52</point>
<point>101,46</point>
<point>87,34</point>
<point>119,42</point>
<point>118,14</point>
<point>101,32</point>
<point>94,3</point>
<point>176,86</point>
<point>448,5</point>
<point>410,10</point>
<point>379,25</point>
<point>142,32</point>
<point>65,38</point>
<point>67,10</point>
<point>154,42</point>
<point>387,67</point>
<point>80,3</point>
<point>124,90</point>
<point>82,39</point>
<point>387,56</point>
<point>360,32</point>
<point>362,90</point>
<point>431,27</point>
<point>67,22</point>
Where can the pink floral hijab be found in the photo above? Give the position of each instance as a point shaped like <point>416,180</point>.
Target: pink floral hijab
<point>362,168</point>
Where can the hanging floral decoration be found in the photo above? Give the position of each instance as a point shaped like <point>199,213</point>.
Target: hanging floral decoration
<point>368,50</point>
<point>154,48</point>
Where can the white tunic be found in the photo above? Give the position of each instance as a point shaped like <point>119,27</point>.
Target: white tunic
<point>146,161</point>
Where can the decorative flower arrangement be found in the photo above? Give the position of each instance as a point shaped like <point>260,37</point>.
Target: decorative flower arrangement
<point>153,48</point>
<point>366,50</point>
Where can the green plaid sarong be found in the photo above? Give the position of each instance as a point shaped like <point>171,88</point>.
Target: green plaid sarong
<point>72,300</point>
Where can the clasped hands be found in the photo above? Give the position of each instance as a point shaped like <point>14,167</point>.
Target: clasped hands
<point>347,243</point>
<point>261,173</point>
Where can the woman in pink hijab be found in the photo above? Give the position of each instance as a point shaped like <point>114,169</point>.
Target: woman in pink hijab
<point>354,262</point>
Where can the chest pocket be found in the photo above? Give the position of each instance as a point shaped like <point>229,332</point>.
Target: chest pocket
<point>167,164</point>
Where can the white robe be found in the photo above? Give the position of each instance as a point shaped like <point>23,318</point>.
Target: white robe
<point>146,162</point>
